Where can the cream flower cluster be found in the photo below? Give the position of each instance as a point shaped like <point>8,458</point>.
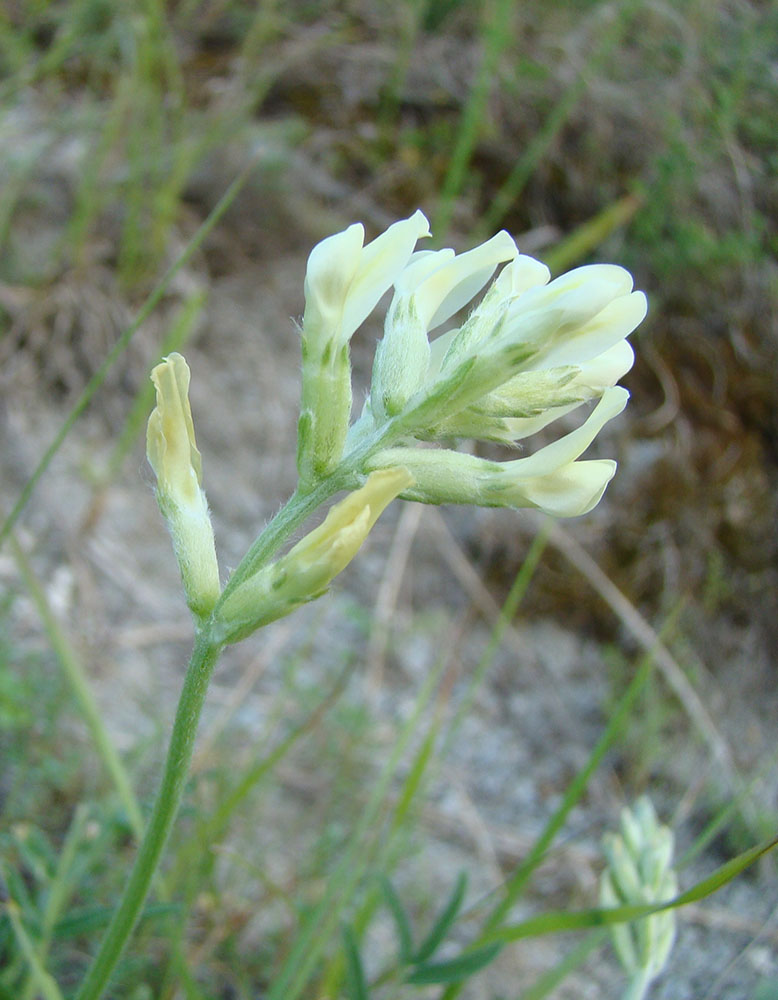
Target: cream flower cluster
<point>529,352</point>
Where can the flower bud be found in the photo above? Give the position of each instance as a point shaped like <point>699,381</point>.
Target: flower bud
<point>173,455</point>
<point>433,286</point>
<point>343,283</point>
<point>306,571</point>
<point>401,360</point>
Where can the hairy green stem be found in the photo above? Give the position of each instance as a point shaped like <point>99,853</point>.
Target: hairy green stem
<point>204,657</point>
<point>638,985</point>
<point>348,475</point>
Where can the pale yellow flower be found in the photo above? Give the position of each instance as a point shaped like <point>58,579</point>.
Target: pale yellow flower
<point>173,455</point>
<point>306,571</point>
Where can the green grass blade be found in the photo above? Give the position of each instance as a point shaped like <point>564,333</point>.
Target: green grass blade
<point>355,973</point>
<point>42,979</point>
<point>537,148</point>
<point>730,809</point>
<point>440,928</point>
<point>59,890</point>
<point>457,969</point>
<point>591,234</point>
<point>317,929</point>
<point>389,854</point>
<point>400,917</point>
<point>495,38</point>
<point>557,921</point>
<point>121,345</point>
<point>508,612</point>
<point>81,689</point>
<point>95,918</point>
<point>520,877</point>
<point>425,755</point>
<point>518,881</point>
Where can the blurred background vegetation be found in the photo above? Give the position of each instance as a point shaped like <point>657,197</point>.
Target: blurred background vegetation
<point>641,133</point>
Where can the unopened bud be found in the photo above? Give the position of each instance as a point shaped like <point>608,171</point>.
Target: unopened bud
<point>173,454</point>
<point>306,571</point>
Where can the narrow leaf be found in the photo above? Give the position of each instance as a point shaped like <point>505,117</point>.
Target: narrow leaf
<point>561,920</point>
<point>400,917</point>
<point>94,918</point>
<point>432,941</point>
<point>355,973</point>
<point>455,970</point>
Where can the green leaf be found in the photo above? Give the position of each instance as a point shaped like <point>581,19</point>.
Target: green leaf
<point>400,917</point>
<point>93,918</point>
<point>562,920</point>
<point>36,852</point>
<point>355,973</point>
<point>432,941</point>
<point>455,970</point>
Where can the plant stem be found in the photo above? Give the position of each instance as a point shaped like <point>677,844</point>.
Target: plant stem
<point>638,985</point>
<point>204,657</point>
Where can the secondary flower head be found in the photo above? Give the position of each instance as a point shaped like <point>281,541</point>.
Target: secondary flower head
<point>173,455</point>
<point>307,570</point>
<point>640,870</point>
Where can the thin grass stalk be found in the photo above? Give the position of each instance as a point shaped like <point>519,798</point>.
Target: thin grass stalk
<point>418,772</point>
<point>87,198</point>
<point>410,16</point>
<point>508,612</point>
<point>495,35</point>
<point>43,980</point>
<point>385,860</point>
<point>166,805</point>
<point>592,233</point>
<point>122,343</point>
<point>515,885</point>
<point>318,929</point>
<point>77,679</point>
<point>539,145</point>
<point>59,891</point>
<point>730,809</point>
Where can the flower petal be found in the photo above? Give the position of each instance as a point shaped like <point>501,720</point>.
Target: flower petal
<point>344,279</point>
<point>332,265</point>
<point>443,291</point>
<point>612,324</point>
<point>380,264</point>
<point>569,447</point>
<point>570,491</point>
